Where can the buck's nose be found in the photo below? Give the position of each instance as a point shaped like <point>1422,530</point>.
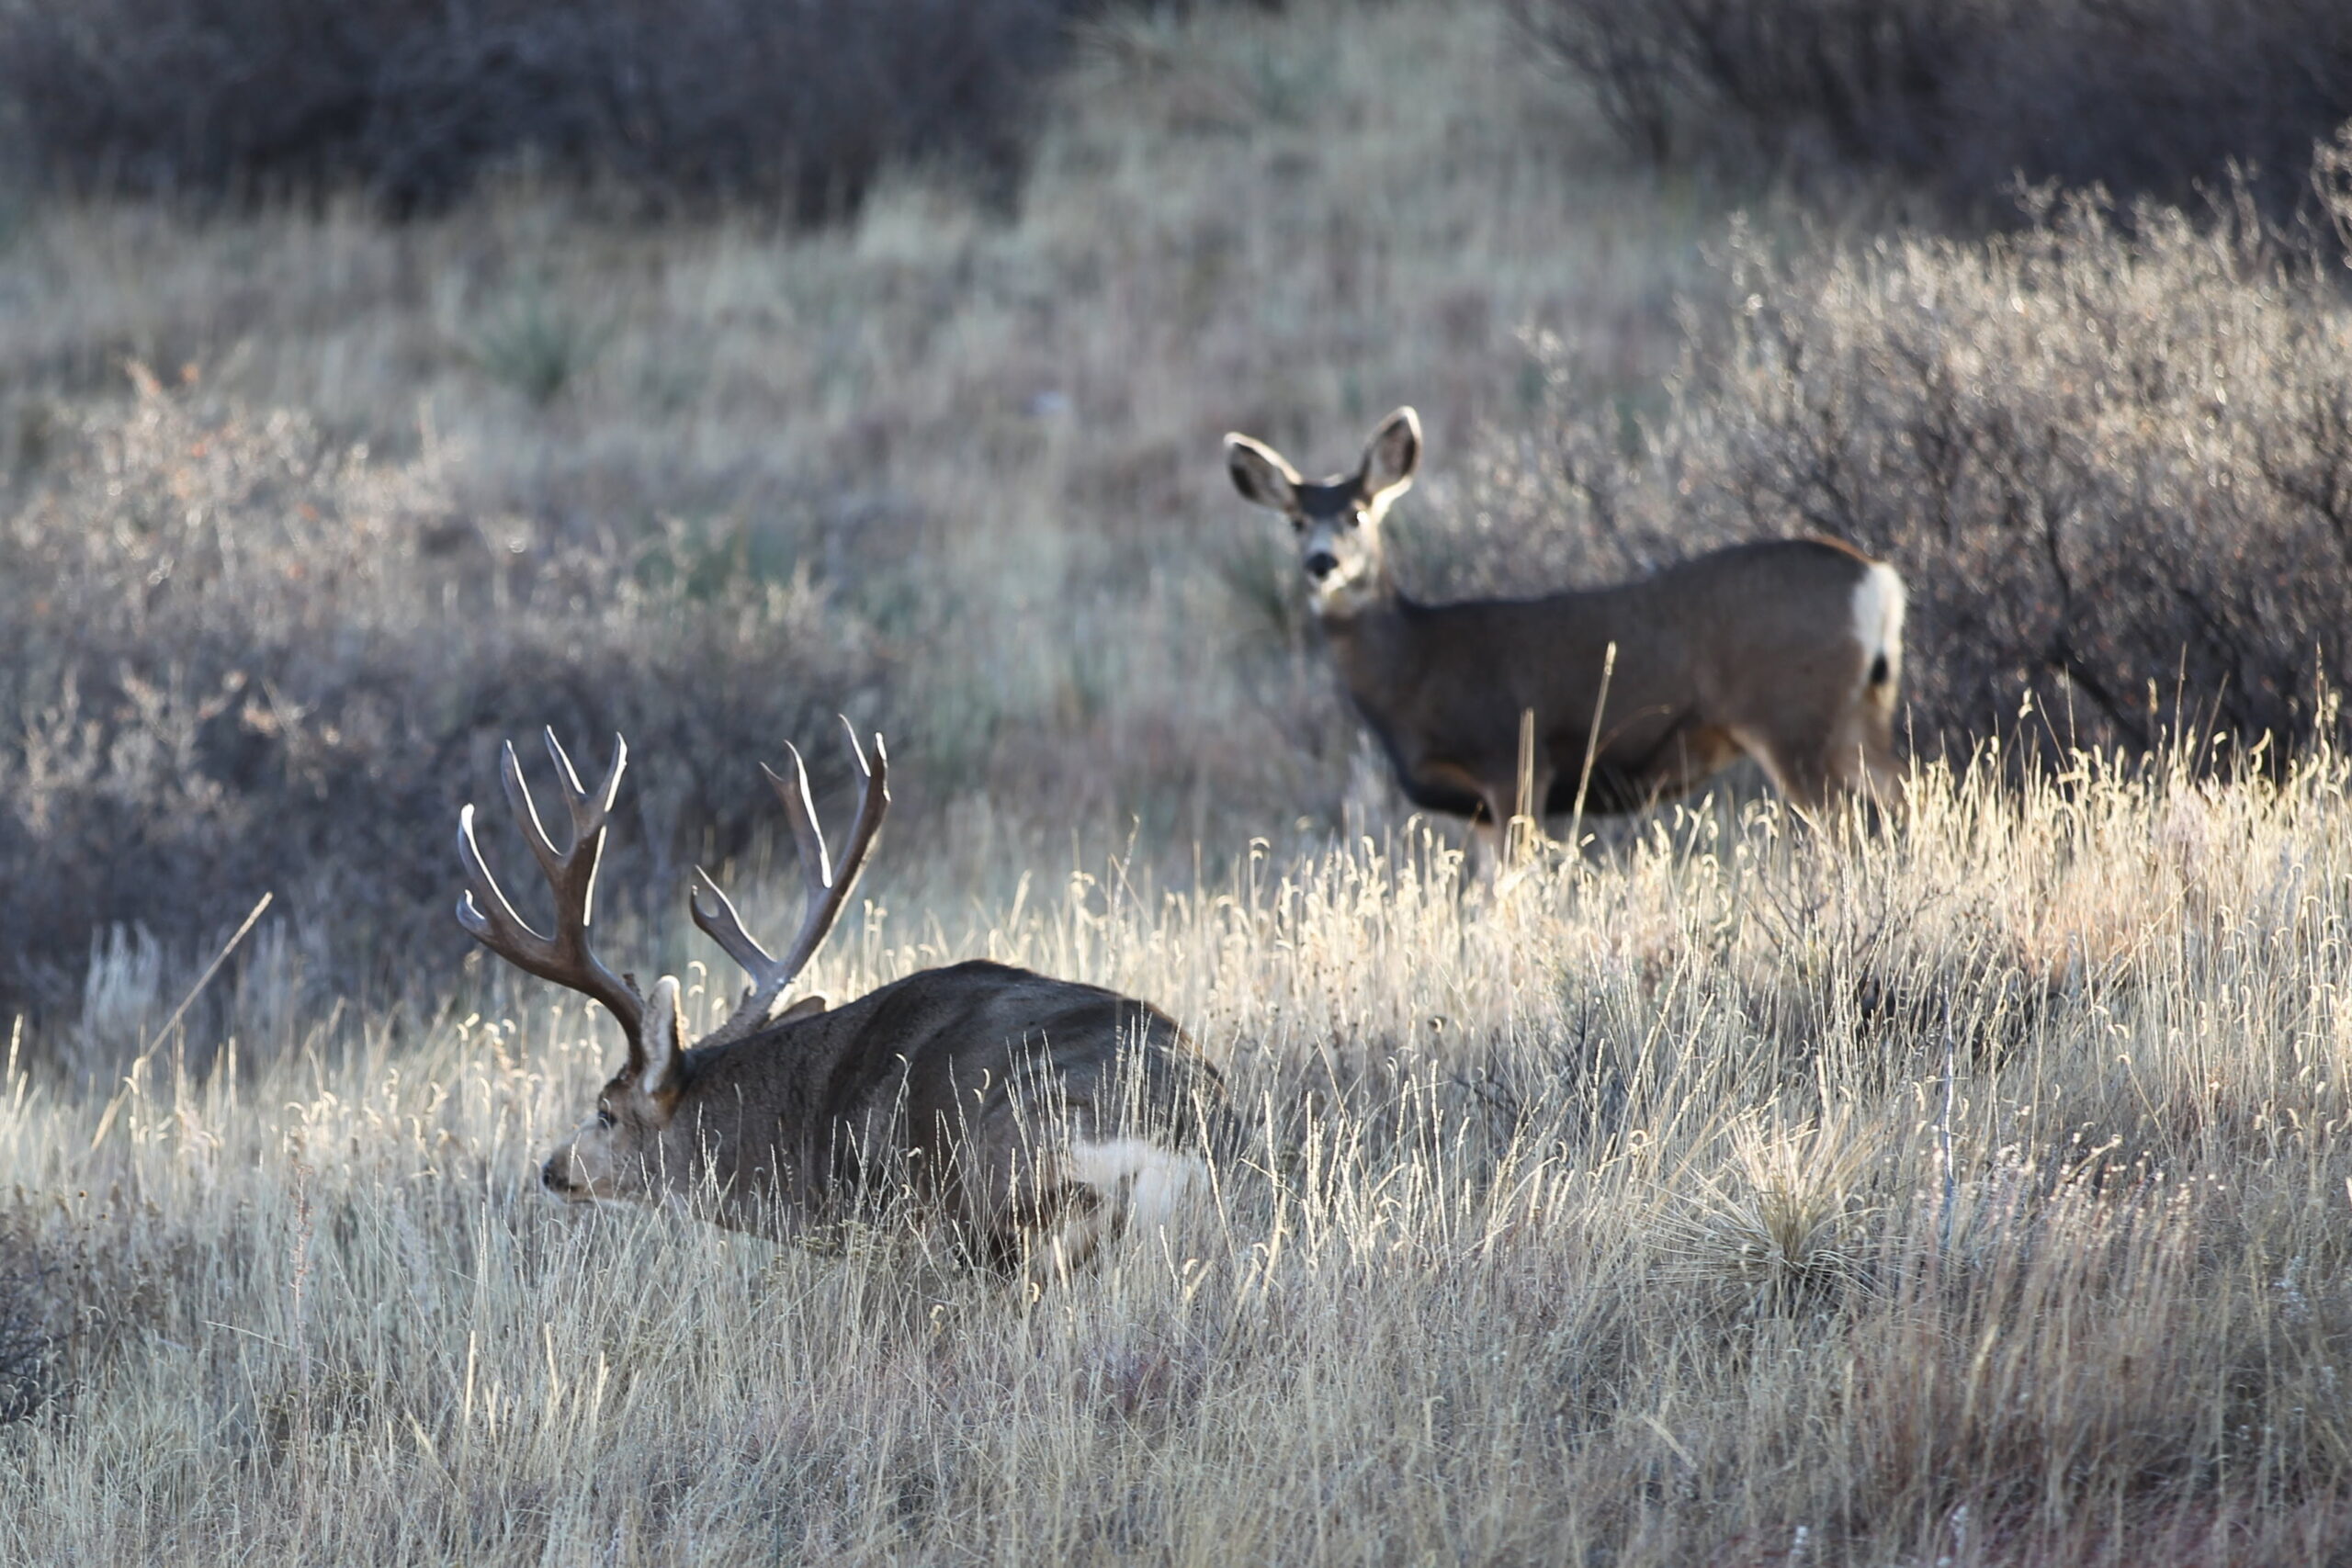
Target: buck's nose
<point>552,1177</point>
<point>1321,564</point>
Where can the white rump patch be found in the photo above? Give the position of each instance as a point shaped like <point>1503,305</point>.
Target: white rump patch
<point>1150,1182</point>
<point>1878,618</point>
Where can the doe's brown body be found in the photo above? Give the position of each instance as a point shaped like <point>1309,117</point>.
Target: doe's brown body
<point>1787,650</point>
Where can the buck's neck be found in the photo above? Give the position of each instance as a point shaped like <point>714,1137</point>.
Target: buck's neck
<point>750,1117</point>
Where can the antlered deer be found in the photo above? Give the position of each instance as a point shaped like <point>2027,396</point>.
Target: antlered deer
<point>1037,1116</point>
<point>1787,651</point>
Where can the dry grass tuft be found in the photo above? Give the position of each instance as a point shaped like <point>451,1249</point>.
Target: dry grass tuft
<point>1781,1224</point>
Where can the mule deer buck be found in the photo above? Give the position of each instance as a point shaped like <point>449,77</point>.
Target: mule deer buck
<point>1787,651</point>
<point>1038,1117</point>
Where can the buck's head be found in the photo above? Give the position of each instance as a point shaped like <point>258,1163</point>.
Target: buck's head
<point>618,1152</point>
<point>1338,521</point>
<point>640,1142</point>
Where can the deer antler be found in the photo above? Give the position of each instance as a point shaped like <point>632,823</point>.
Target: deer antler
<point>828,887</point>
<point>565,957</point>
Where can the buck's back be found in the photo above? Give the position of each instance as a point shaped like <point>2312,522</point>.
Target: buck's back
<point>951,1045</point>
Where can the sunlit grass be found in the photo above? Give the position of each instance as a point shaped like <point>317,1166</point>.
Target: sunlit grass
<point>1729,1188</point>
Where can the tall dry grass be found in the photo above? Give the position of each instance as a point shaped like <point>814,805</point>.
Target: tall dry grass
<point>1975,1194</point>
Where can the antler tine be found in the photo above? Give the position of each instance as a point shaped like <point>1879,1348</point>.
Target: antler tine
<point>566,958</point>
<point>725,927</point>
<point>828,887</point>
<point>801,810</point>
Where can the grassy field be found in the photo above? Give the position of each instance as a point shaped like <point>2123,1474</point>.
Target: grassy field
<point>1969,1191</point>
<point>956,473</point>
<point>1287,225</point>
<point>1972,1195</point>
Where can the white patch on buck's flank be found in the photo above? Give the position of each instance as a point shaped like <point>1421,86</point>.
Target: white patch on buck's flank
<point>1878,617</point>
<point>1158,1180</point>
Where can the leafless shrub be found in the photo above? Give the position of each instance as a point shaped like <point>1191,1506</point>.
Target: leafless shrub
<point>244,659</point>
<point>2144,95</point>
<point>2113,460</point>
<point>794,106</point>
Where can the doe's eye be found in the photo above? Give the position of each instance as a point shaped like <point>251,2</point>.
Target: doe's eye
<point>604,1116</point>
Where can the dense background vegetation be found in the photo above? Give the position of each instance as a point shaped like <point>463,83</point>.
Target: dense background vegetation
<point>798,107</point>
<point>1956,99</point>
<point>407,487</point>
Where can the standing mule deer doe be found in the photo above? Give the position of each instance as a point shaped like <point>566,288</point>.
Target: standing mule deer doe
<point>1038,1117</point>
<point>1787,651</point>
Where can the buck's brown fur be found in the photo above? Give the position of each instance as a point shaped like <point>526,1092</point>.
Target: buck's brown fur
<point>1038,1117</point>
<point>1787,651</point>
<point>984,1093</point>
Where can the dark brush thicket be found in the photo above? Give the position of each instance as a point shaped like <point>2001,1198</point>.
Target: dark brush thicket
<point>2113,459</point>
<point>793,105</point>
<point>1962,96</point>
<point>245,659</point>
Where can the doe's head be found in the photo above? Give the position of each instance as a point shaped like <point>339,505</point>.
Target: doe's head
<point>1336,521</point>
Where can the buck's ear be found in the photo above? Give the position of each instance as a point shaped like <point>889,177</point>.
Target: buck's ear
<point>660,1048</point>
<point>1260,474</point>
<point>1389,459</point>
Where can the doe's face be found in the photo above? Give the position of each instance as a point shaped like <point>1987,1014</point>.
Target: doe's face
<point>1337,521</point>
<point>1338,531</point>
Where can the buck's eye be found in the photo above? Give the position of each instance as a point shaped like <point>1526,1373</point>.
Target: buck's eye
<point>604,1116</point>
<point>1355,519</point>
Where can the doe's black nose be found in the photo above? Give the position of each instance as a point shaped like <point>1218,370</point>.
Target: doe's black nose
<point>1321,564</point>
<point>552,1179</point>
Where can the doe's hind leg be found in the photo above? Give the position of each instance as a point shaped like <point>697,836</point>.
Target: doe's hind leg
<point>1881,772</point>
<point>1800,767</point>
<point>1861,755</point>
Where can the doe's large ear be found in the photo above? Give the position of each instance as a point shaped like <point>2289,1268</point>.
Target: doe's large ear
<point>658,1050</point>
<point>1260,474</point>
<point>1389,459</point>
